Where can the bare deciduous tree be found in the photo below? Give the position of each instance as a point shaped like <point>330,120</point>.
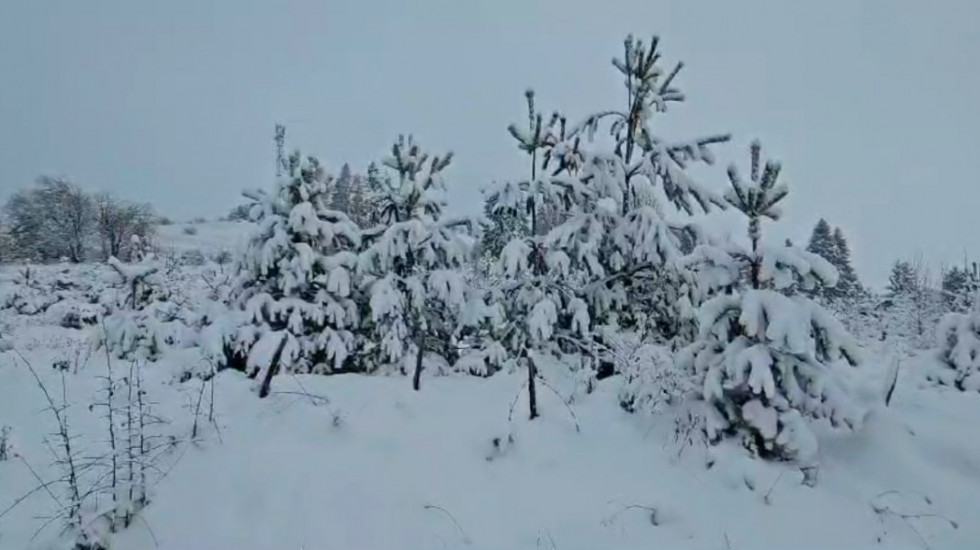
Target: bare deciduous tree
<point>53,219</point>
<point>117,222</point>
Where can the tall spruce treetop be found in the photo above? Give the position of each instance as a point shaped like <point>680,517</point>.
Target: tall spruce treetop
<point>822,241</point>
<point>824,244</point>
<point>611,257</point>
<point>412,267</point>
<point>848,286</point>
<point>295,279</point>
<point>766,353</point>
<point>341,192</point>
<point>902,280</point>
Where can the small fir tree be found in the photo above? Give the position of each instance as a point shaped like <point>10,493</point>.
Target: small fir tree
<point>822,241</point>
<point>958,339</point>
<point>296,278</point>
<point>340,194</point>
<point>766,353</point>
<point>902,279</point>
<point>848,286</point>
<point>600,253</point>
<point>412,268</point>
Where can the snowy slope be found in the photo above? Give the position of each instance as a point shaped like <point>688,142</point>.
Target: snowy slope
<point>208,237</point>
<point>381,466</point>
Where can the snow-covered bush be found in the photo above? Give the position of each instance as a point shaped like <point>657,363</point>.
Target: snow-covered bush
<point>412,269</point>
<point>149,312</point>
<point>296,278</point>
<point>958,339</point>
<point>766,353</point>
<point>650,379</point>
<point>74,314</point>
<point>33,290</point>
<point>28,294</point>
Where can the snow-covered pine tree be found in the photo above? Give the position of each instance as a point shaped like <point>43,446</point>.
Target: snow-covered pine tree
<point>296,279</point>
<point>822,243</point>
<point>412,267</point>
<point>902,278</point>
<point>340,194</point>
<point>848,286</point>
<point>766,352</point>
<point>503,226</point>
<point>377,187</point>
<point>958,339</point>
<point>954,284</point>
<point>913,304</point>
<point>360,209</point>
<point>609,261</point>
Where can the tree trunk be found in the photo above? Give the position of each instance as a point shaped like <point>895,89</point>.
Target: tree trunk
<point>417,377</point>
<point>532,394</point>
<point>273,368</point>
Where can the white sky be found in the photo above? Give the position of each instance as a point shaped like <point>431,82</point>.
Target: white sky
<point>871,105</point>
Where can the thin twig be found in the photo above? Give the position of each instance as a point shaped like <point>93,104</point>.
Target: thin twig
<point>564,402</point>
<point>43,484</point>
<point>766,498</point>
<point>466,538</point>
<point>654,519</point>
<point>149,529</point>
<point>25,496</point>
<point>513,405</point>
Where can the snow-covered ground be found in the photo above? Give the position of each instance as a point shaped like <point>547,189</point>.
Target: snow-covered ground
<point>381,466</point>
<point>207,237</point>
<point>365,462</point>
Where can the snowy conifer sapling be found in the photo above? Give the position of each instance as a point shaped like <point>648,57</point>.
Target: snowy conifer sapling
<point>958,336</point>
<point>611,258</point>
<point>295,280</point>
<point>766,352</point>
<point>412,267</point>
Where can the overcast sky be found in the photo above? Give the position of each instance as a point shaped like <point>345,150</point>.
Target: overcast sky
<point>871,106</point>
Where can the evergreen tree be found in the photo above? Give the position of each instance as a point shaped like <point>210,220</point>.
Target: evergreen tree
<point>377,187</point>
<point>359,205</point>
<point>413,268</point>
<point>503,226</point>
<point>610,260</point>
<point>959,287</point>
<point>341,192</point>
<point>914,304</point>
<point>954,284</point>
<point>848,285</point>
<point>296,278</point>
<point>822,241</point>
<point>831,245</point>
<point>766,353</point>
<point>958,339</point>
<point>902,279</point>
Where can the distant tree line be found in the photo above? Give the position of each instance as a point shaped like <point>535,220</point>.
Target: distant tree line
<point>55,219</point>
<point>915,298</point>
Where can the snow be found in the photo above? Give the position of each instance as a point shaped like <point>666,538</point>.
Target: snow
<point>211,238</point>
<point>355,461</point>
<point>381,466</point>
